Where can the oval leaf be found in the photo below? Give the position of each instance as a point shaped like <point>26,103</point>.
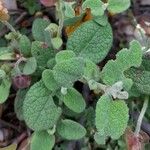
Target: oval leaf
<point>71,130</point>
<point>42,141</point>
<point>74,100</point>
<point>91,41</point>
<point>39,110</point>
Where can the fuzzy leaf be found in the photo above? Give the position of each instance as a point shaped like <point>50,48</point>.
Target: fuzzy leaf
<point>41,53</point>
<point>25,45</point>
<point>71,130</point>
<point>91,41</point>
<point>74,100</point>
<point>141,79</point>
<point>113,71</point>
<point>91,71</point>
<point>56,42</point>
<point>18,105</point>
<point>69,10</point>
<point>117,6</point>
<point>42,141</point>
<point>39,110</point>
<point>5,85</point>
<point>38,29</point>
<point>68,71</point>
<point>96,6</point>
<point>49,81</point>
<point>30,66</point>
<point>111,117</point>
<point>64,55</point>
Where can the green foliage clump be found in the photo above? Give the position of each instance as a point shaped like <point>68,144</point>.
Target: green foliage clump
<point>63,94</point>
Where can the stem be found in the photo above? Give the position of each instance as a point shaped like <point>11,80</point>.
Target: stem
<point>9,26</point>
<point>60,16</point>
<point>141,116</point>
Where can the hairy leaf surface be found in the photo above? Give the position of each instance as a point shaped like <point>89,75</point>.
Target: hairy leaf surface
<point>42,141</point>
<point>74,100</point>
<point>113,71</point>
<point>39,110</point>
<point>69,71</point>
<point>91,41</point>
<point>71,130</point>
<point>111,117</point>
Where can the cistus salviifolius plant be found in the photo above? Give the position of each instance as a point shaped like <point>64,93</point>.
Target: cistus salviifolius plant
<point>44,69</point>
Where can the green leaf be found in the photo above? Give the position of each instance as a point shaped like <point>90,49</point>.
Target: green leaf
<point>111,117</point>
<point>64,55</point>
<point>6,54</point>
<point>39,110</point>
<point>91,71</point>
<point>69,10</point>
<point>70,130</point>
<point>18,105</point>
<point>74,100</point>
<point>2,74</point>
<point>38,29</point>
<point>91,41</point>
<point>25,45</point>
<point>42,141</point>
<point>51,63</point>
<point>49,81</point>
<point>42,53</point>
<point>69,71</point>
<point>30,66</point>
<point>4,89</point>
<point>99,139</point>
<point>56,42</point>
<point>101,20</point>
<point>141,78</point>
<point>117,6</point>
<point>96,6</point>
<point>113,71</point>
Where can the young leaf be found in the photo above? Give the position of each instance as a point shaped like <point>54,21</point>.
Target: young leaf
<point>42,140</point>
<point>99,138</point>
<point>70,130</point>
<point>18,105</point>
<point>111,117</point>
<point>96,6</point>
<point>25,45</point>
<point>91,71</point>
<point>64,55</point>
<point>56,42</point>
<point>74,100</point>
<point>6,54</point>
<point>68,71</point>
<point>5,85</point>
<point>49,81</point>
<point>113,71</point>
<point>69,10</point>
<point>38,28</point>
<point>141,79</point>
<point>41,53</point>
<point>30,66</point>
<point>39,110</point>
<point>91,41</point>
<point>117,6</point>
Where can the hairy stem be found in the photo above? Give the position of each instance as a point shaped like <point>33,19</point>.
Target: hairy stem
<point>59,8</point>
<point>9,26</point>
<point>141,116</point>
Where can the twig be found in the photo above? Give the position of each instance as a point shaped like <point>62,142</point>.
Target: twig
<point>139,122</point>
<point>4,31</point>
<point>9,125</point>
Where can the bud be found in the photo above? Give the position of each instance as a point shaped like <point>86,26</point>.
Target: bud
<point>4,16</point>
